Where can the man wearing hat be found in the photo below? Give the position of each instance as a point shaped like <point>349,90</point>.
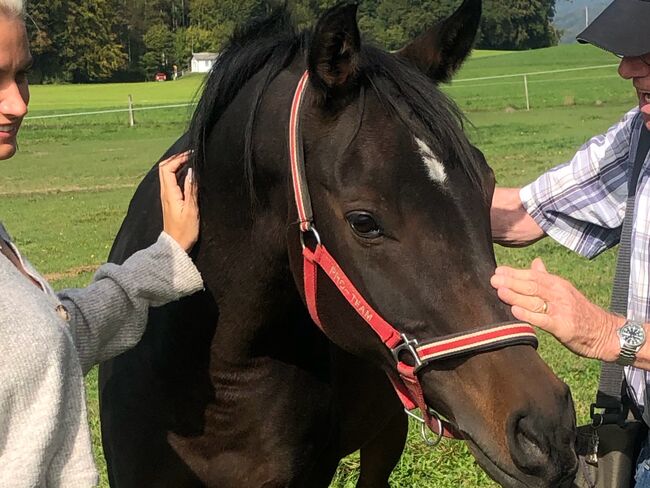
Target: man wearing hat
<point>582,204</point>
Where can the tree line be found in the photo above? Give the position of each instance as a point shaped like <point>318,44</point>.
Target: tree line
<point>128,40</point>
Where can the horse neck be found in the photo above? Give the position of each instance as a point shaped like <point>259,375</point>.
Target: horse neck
<point>243,251</point>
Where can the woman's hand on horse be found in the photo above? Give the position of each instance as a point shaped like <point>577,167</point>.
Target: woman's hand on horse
<point>180,208</point>
<point>556,306</point>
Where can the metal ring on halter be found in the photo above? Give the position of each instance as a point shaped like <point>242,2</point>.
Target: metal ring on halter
<point>424,431</point>
<point>312,230</point>
<point>424,428</point>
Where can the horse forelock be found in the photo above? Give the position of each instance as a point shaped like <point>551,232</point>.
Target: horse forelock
<point>270,45</point>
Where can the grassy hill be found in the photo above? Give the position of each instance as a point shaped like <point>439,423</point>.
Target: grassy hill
<point>595,82</point>
<point>548,59</point>
<point>47,99</point>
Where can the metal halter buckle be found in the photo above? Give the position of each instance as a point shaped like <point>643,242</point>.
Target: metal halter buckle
<point>314,233</point>
<point>424,430</point>
<point>410,346</point>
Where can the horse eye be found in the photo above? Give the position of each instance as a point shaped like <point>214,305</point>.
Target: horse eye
<point>364,225</point>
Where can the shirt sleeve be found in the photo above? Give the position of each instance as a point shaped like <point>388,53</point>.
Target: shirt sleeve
<point>581,204</point>
<point>109,316</point>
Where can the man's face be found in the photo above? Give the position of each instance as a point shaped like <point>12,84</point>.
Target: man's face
<point>637,69</point>
<point>15,60</point>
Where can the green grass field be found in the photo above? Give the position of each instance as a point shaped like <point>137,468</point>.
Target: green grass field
<point>64,195</point>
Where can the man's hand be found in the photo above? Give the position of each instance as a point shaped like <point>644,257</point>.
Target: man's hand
<point>180,208</point>
<point>553,304</point>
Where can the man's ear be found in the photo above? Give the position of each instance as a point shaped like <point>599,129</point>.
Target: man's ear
<point>333,58</point>
<point>442,49</point>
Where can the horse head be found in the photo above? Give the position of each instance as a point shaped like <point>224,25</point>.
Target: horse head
<point>401,200</point>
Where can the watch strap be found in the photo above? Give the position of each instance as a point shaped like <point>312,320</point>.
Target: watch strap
<point>626,357</point>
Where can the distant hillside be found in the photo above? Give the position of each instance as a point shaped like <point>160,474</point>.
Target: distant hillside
<point>570,16</point>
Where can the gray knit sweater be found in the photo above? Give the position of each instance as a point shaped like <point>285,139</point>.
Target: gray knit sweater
<point>45,350</point>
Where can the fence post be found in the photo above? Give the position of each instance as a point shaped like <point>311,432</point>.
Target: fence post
<point>527,97</point>
<point>131,116</point>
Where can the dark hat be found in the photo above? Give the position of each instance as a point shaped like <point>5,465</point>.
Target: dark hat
<point>623,28</point>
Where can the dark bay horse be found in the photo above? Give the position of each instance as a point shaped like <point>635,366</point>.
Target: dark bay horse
<point>236,386</point>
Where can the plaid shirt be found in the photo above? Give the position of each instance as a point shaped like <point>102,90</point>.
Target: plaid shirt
<point>581,204</point>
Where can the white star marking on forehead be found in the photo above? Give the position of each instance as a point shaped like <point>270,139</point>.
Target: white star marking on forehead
<point>434,167</point>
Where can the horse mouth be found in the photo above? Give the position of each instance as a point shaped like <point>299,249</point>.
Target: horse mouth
<point>509,480</point>
<point>497,473</point>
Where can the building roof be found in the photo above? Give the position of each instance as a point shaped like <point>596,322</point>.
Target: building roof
<point>205,56</point>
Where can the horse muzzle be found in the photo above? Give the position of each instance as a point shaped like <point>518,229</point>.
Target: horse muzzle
<point>516,416</point>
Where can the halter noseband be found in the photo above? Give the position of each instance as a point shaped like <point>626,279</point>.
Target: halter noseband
<point>406,383</point>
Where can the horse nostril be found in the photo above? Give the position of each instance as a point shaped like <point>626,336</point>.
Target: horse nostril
<point>530,450</point>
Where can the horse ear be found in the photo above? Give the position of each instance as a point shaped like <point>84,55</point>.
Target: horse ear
<point>441,50</point>
<point>334,53</point>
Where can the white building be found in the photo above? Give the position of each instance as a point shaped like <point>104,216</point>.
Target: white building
<point>202,62</point>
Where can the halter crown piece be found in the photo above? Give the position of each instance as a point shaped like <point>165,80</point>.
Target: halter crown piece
<point>405,381</point>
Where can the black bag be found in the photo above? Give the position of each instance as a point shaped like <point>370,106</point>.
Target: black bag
<point>607,454</point>
<point>608,448</point>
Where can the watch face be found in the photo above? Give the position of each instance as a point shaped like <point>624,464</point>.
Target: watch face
<point>633,335</point>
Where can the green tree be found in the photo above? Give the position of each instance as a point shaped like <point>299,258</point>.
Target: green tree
<point>159,42</point>
<point>44,25</point>
<point>75,40</point>
<point>506,24</point>
<point>196,39</point>
<point>221,17</point>
<point>518,24</point>
<point>89,47</point>
<point>92,40</point>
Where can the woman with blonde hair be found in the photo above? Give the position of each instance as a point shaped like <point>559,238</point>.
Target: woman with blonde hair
<point>49,340</point>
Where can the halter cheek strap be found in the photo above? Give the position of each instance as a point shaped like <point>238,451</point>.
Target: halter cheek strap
<point>405,381</point>
<point>297,158</point>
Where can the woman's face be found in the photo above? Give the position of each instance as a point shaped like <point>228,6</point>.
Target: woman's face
<point>15,61</point>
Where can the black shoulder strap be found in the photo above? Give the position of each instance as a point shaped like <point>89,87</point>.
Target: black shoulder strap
<point>610,389</point>
<point>642,150</point>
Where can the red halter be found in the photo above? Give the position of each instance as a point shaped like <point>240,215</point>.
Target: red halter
<point>406,384</point>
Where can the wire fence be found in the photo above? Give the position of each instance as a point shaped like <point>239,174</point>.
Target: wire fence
<point>89,124</point>
<point>129,110</point>
<point>585,85</point>
<point>526,90</point>
<point>534,73</point>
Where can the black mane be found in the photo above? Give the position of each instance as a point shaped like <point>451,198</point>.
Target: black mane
<point>271,43</point>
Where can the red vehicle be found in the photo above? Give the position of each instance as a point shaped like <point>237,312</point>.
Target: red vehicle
<point>160,76</point>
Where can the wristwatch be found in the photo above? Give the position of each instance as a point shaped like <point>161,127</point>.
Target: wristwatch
<point>632,338</point>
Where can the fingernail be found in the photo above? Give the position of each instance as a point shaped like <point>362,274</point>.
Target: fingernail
<point>190,175</point>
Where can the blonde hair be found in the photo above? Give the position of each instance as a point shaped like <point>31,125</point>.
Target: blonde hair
<point>12,8</point>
